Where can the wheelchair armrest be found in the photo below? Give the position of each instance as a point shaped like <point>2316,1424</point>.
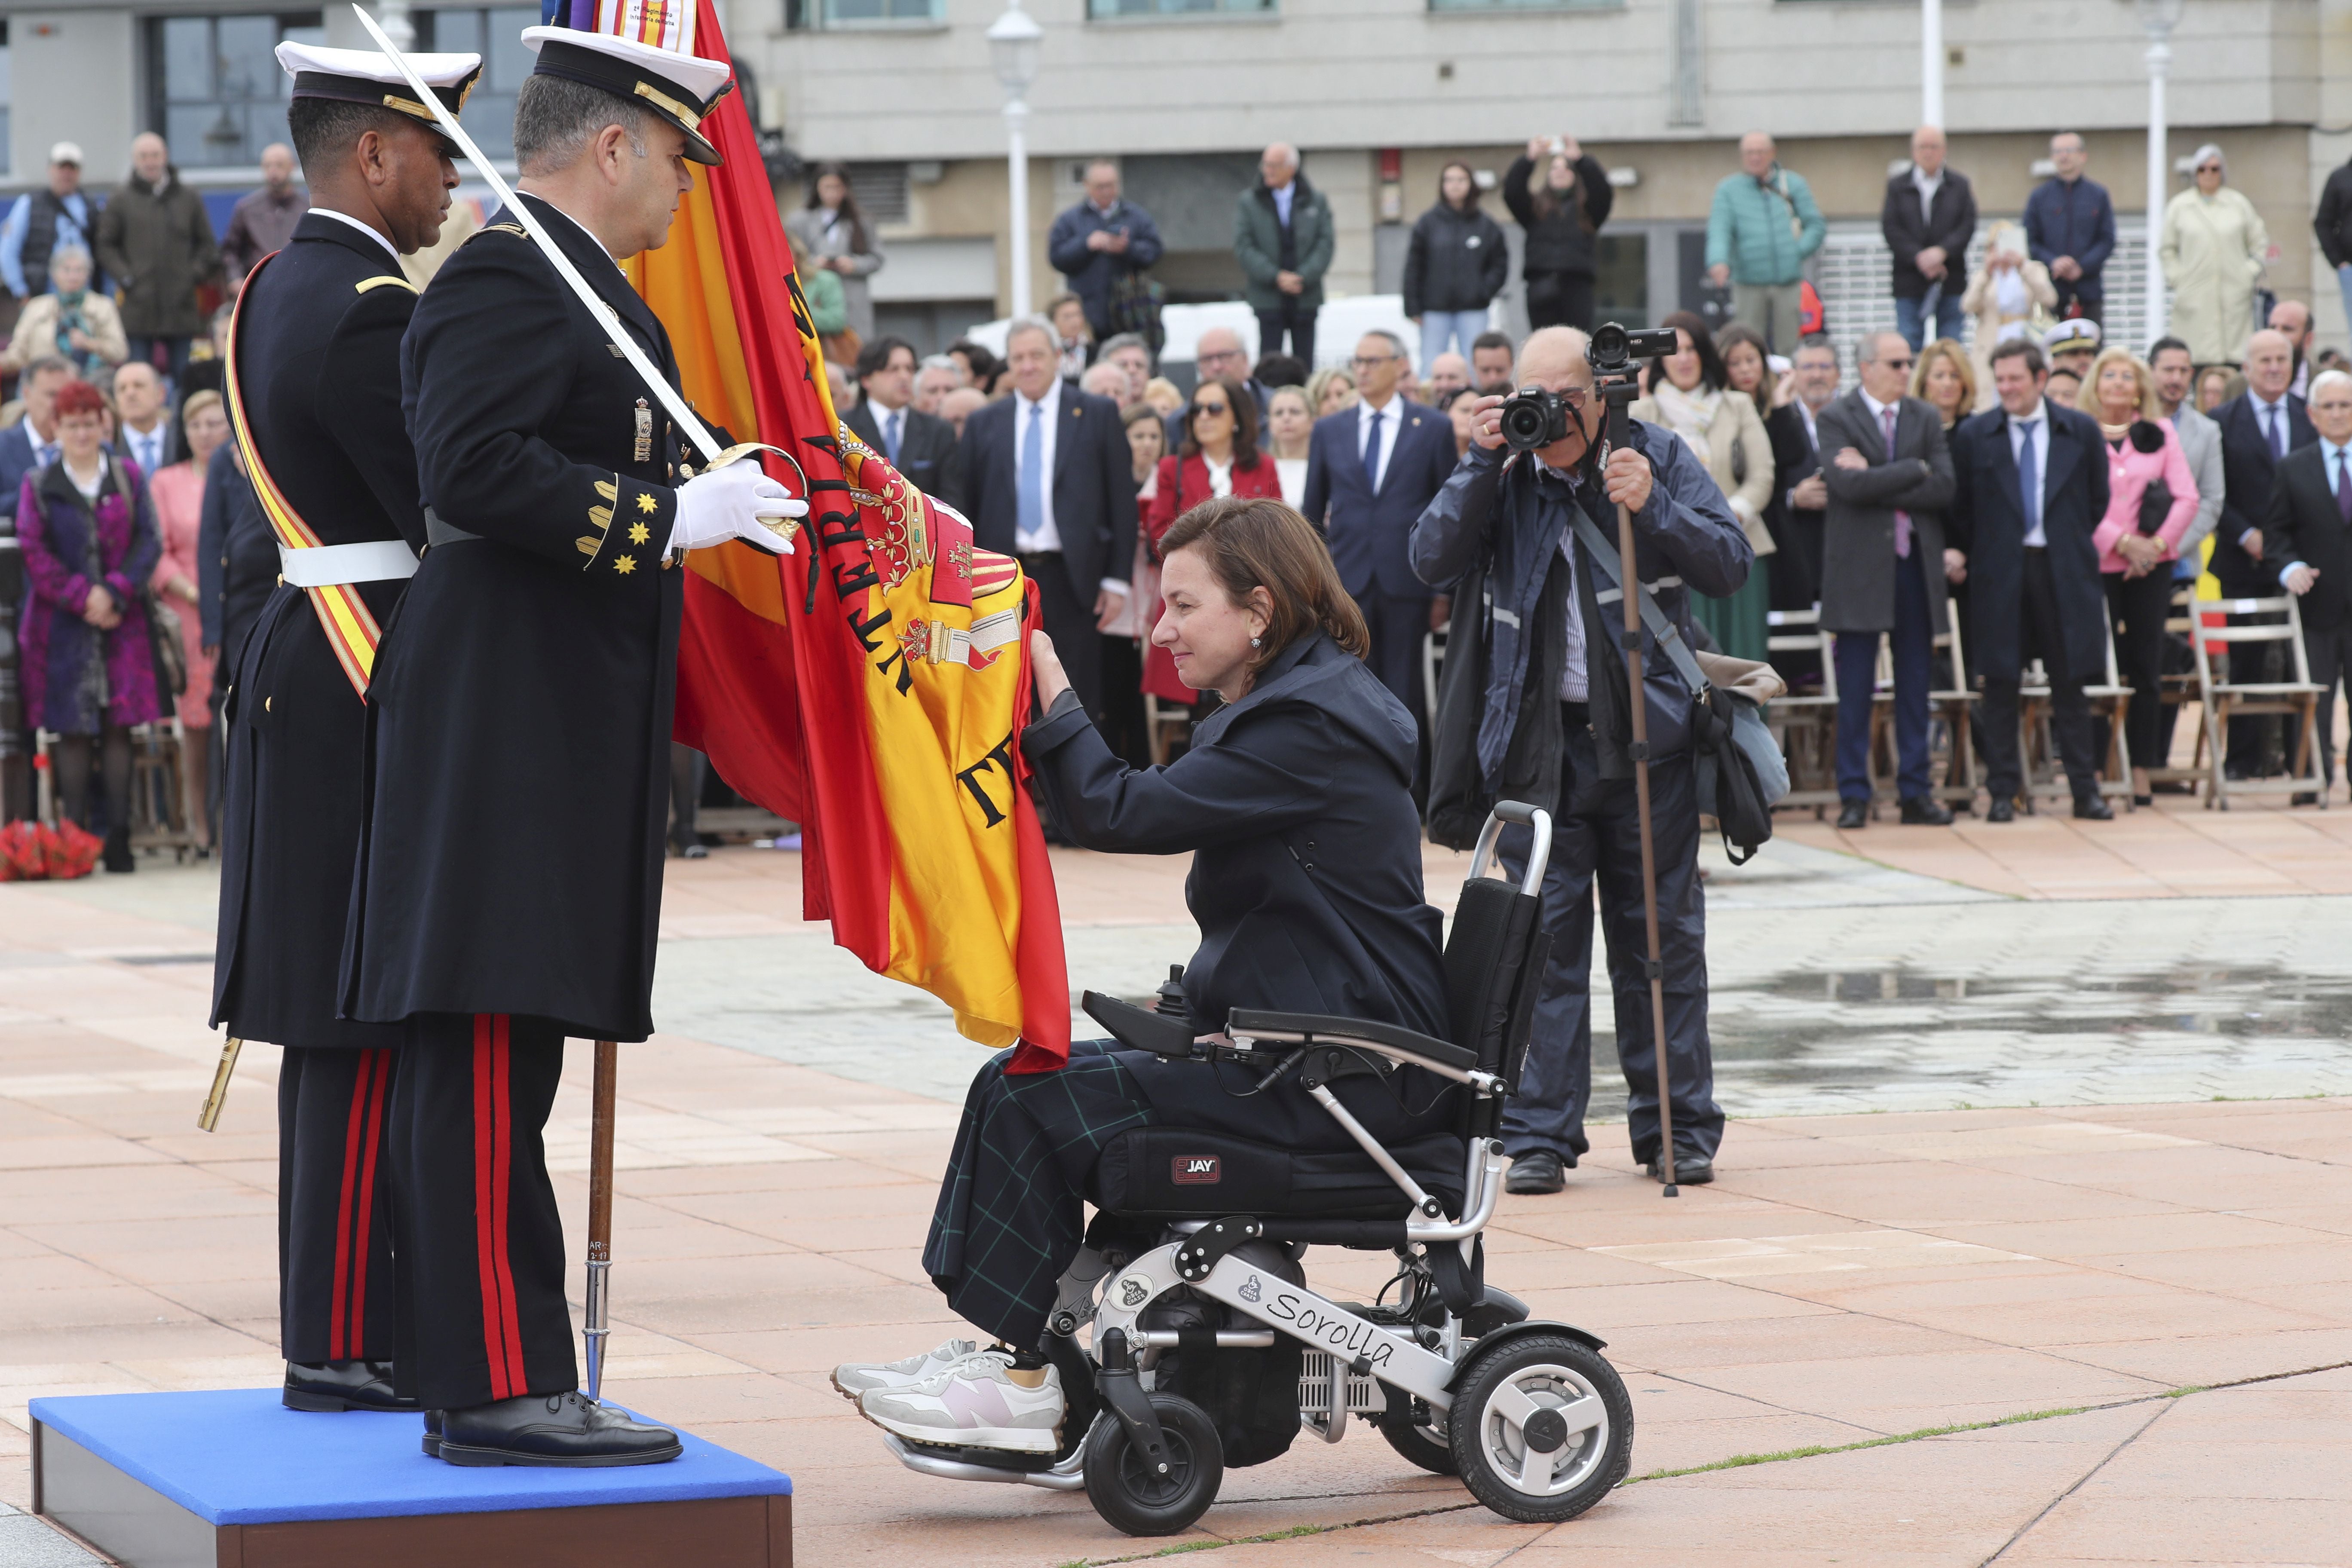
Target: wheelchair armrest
<point>1314,1028</point>
<point>1138,1027</point>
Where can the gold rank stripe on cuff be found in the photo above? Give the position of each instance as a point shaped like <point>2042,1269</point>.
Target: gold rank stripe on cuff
<point>630,524</point>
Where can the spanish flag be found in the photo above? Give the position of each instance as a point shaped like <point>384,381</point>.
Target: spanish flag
<point>873,687</point>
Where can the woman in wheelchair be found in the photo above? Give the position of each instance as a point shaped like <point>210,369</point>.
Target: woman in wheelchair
<point>1296,799</point>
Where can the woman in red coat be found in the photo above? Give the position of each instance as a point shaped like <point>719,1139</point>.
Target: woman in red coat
<point>1218,457</point>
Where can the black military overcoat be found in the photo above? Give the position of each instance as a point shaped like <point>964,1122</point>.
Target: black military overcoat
<point>318,368</point>
<point>519,782</point>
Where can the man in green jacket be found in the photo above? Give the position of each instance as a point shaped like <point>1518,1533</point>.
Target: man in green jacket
<point>156,242</point>
<point>1282,235</point>
<point>1761,232</point>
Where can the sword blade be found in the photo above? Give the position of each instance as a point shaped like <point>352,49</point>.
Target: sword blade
<point>673,401</point>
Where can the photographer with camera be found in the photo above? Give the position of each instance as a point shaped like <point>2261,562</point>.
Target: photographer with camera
<point>1555,728</point>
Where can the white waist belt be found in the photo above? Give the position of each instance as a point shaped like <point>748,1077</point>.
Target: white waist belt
<point>328,566</point>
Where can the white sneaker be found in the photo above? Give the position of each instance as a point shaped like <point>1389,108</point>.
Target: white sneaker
<point>974,1404</point>
<point>852,1378</point>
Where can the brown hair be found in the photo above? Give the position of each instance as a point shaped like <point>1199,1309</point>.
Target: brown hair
<point>1244,408</point>
<point>1951,354</point>
<point>1733,334</point>
<point>1257,541</point>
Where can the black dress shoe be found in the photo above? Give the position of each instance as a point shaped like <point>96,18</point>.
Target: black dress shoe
<point>1925,811</point>
<point>551,1429</point>
<point>2000,809</point>
<point>1690,1171</point>
<point>2305,798</point>
<point>2143,801</point>
<point>2091,809</point>
<point>117,856</point>
<point>343,1385</point>
<point>432,1434</point>
<point>1853,814</point>
<point>1535,1174</point>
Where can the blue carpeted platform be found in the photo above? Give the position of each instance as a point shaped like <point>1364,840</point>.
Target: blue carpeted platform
<point>237,1457</point>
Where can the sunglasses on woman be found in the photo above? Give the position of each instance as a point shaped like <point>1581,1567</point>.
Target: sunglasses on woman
<point>1201,408</point>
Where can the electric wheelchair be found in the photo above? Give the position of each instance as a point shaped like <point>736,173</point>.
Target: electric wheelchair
<point>1209,1349</point>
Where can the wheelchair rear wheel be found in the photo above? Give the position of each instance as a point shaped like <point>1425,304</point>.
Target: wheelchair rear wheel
<point>1131,1499</point>
<point>1541,1427</point>
<point>1424,1445</point>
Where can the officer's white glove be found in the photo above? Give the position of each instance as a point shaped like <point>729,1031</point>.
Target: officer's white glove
<point>738,502</point>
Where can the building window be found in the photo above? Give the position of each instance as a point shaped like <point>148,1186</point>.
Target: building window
<point>1112,10</point>
<point>1527,5</point>
<point>216,92</point>
<point>495,33</point>
<point>803,14</point>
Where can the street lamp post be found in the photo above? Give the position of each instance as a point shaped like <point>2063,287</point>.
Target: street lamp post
<point>2157,18</point>
<point>1013,40</point>
<point>1931,63</point>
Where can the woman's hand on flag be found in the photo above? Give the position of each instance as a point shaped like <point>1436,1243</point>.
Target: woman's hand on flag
<point>1047,665</point>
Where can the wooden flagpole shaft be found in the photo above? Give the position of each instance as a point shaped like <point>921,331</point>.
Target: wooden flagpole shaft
<point>600,1212</point>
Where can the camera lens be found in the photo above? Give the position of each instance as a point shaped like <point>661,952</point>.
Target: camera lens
<point>1524,422</point>
<point>1609,344</point>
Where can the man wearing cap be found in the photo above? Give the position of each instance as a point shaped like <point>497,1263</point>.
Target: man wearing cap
<point>510,868</point>
<point>314,391</point>
<point>2072,346</point>
<point>39,222</point>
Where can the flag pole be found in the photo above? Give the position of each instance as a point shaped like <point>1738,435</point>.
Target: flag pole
<point>596,1326</point>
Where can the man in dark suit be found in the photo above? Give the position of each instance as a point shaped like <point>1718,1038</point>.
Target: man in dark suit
<point>1048,482</point>
<point>1798,513</point>
<point>920,445</point>
<point>2259,428</point>
<point>1370,471</point>
<point>2309,527</point>
<point>32,441</point>
<point>1889,479</point>
<point>144,430</point>
<point>1928,217</point>
<point>2029,484</point>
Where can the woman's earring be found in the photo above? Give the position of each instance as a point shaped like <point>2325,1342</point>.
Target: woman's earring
<point>1257,642</point>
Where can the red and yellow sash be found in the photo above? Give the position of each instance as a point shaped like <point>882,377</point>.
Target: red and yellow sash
<point>343,615</point>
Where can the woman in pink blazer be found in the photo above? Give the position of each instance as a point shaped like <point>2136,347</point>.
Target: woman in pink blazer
<point>2140,536</point>
<point>179,492</point>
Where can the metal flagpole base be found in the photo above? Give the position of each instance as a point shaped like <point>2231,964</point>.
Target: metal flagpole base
<point>208,1116</point>
<point>595,1330</point>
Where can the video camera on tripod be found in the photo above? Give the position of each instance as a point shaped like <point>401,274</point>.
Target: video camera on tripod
<point>1534,419</point>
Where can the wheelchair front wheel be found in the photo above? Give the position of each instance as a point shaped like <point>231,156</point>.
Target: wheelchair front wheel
<point>1541,1427</point>
<point>1131,1499</point>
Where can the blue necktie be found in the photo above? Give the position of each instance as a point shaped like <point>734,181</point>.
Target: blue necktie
<point>891,437</point>
<point>1372,456</point>
<point>2028,491</point>
<point>2278,432</point>
<point>1031,520</point>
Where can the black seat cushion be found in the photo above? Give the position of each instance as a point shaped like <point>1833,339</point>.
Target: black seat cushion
<point>1177,1172</point>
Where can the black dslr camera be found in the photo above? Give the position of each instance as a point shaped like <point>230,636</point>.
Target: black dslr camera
<point>1535,418</point>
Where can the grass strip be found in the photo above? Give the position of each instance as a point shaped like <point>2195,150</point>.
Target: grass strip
<point>1815,1450</point>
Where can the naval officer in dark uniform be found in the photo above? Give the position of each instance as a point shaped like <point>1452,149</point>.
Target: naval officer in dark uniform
<point>509,879</point>
<point>317,401</point>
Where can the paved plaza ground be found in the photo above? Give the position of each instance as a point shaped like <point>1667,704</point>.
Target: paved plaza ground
<point>2032,1239</point>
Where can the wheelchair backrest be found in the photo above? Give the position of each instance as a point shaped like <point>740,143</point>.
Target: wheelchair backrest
<point>1493,965</point>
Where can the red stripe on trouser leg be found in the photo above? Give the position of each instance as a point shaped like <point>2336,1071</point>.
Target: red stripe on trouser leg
<point>486,1156</point>
<point>375,1079</point>
<point>510,1320</point>
<point>338,1349</point>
